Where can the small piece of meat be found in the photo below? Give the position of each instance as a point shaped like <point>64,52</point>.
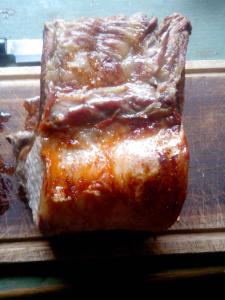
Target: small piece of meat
<point>4,117</point>
<point>19,141</point>
<point>32,107</point>
<point>110,150</point>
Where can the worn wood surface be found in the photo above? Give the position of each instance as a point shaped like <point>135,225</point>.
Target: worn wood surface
<point>201,227</point>
<point>112,245</point>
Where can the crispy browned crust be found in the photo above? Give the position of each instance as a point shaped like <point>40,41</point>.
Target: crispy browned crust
<point>162,200</point>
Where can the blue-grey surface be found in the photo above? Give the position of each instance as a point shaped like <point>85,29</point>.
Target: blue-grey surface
<point>25,18</point>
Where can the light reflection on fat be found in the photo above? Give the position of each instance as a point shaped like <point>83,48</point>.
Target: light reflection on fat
<point>140,159</point>
<point>88,163</point>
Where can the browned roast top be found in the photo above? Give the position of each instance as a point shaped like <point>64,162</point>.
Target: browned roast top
<point>123,66</point>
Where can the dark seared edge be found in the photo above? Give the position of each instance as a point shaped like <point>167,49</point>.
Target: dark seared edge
<point>48,47</point>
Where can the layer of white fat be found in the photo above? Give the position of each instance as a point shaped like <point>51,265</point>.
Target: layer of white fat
<point>34,170</point>
<point>89,162</point>
<point>139,159</point>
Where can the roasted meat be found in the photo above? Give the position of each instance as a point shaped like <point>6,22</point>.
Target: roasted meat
<point>110,150</point>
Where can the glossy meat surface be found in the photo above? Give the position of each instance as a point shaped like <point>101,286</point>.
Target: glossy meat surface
<point>95,67</point>
<point>110,137</point>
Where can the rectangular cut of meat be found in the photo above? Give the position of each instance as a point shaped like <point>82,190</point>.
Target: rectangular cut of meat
<point>110,150</point>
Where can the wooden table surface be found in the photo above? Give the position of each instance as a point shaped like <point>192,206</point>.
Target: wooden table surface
<point>24,19</point>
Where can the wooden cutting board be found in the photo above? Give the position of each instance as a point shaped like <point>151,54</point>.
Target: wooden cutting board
<point>201,226</point>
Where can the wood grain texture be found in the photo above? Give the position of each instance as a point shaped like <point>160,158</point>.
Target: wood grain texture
<point>172,275</point>
<point>99,246</point>
<point>26,292</point>
<point>205,66</point>
<point>202,221</point>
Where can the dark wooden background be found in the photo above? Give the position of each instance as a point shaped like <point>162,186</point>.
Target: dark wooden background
<point>202,221</point>
<point>121,258</point>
